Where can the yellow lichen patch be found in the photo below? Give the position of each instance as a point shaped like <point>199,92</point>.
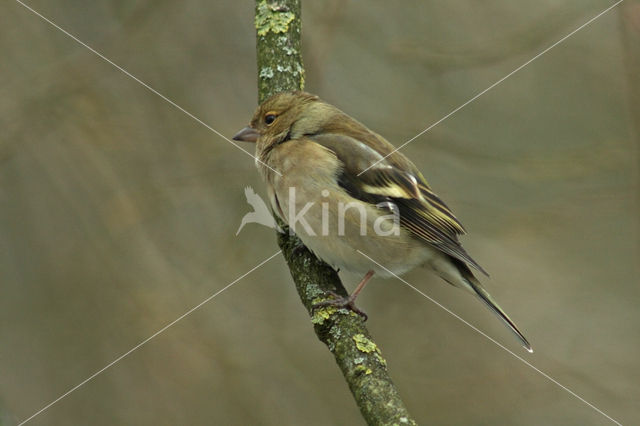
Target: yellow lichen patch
<point>269,18</point>
<point>362,369</point>
<point>363,344</point>
<point>381,360</point>
<point>322,314</point>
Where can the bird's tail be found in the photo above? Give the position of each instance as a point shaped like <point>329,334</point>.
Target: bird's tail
<point>476,288</point>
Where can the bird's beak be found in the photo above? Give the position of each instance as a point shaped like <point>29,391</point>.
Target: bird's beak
<point>248,134</point>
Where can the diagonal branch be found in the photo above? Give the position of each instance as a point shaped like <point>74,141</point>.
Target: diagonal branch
<point>278,28</point>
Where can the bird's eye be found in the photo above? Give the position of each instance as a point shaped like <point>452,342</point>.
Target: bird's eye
<point>269,118</point>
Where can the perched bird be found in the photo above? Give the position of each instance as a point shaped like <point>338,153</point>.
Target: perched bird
<point>350,198</point>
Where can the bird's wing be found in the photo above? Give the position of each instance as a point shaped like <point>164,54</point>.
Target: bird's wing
<point>422,212</point>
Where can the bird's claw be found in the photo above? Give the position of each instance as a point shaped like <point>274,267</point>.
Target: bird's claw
<point>340,301</point>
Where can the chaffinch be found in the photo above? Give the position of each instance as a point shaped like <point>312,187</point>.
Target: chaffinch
<point>351,198</point>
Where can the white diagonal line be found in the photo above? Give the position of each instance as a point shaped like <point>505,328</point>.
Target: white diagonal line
<point>145,341</point>
<point>145,85</point>
<point>494,84</point>
<point>496,342</point>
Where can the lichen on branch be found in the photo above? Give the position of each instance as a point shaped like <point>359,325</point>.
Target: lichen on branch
<point>278,44</point>
<point>272,17</point>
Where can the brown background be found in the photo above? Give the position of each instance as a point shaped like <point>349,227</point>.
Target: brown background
<point>118,212</point>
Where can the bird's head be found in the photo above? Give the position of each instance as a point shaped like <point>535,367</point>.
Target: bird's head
<point>286,116</point>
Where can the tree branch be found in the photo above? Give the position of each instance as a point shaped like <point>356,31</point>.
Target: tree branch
<point>278,28</point>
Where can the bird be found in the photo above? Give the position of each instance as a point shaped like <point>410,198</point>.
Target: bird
<point>260,213</point>
<point>355,201</point>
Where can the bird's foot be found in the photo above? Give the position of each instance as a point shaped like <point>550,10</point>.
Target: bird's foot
<point>341,302</point>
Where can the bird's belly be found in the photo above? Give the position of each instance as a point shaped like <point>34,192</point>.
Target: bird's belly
<point>346,233</point>
<point>361,252</point>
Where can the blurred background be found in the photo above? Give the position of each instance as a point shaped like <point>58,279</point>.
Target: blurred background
<point>118,212</point>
